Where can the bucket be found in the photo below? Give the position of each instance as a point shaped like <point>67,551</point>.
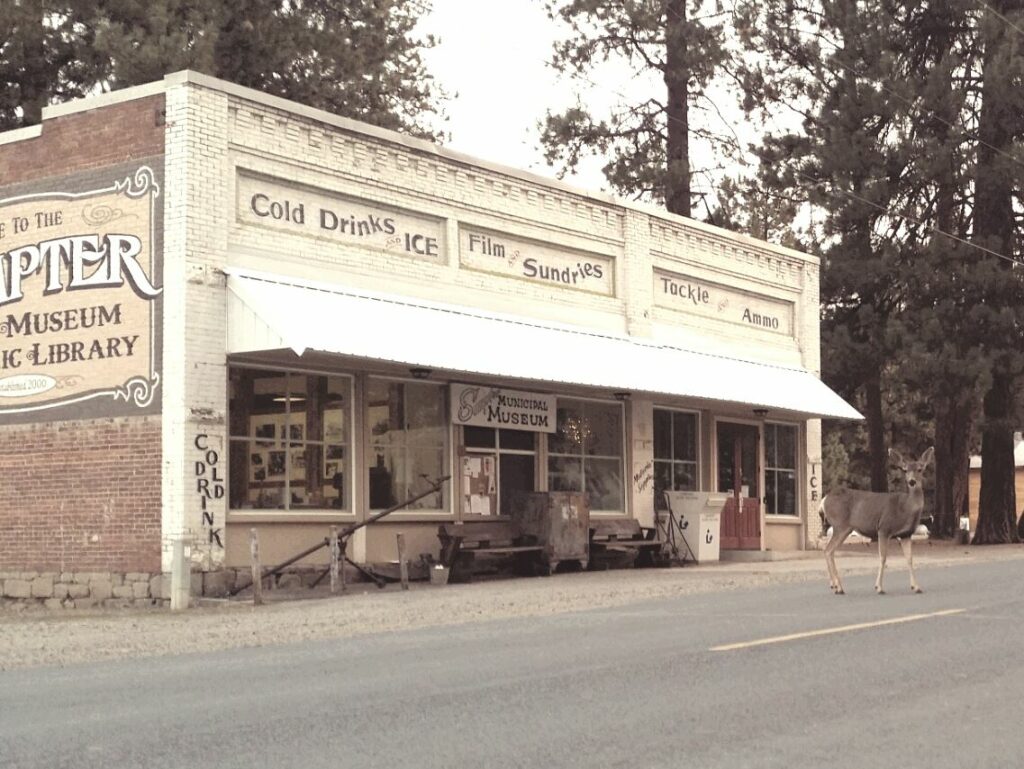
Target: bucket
<point>439,575</point>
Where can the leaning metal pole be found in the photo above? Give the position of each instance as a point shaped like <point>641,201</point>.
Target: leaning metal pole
<point>344,535</point>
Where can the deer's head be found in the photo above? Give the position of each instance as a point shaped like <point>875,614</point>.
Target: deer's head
<point>913,470</point>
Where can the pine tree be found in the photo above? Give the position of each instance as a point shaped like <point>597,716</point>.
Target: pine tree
<point>647,143</point>
<point>46,55</point>
<point>910,305</point>
<point>938,357</point>
<point>997,178</point>
<point>845,161</point>
<point>356,59</point>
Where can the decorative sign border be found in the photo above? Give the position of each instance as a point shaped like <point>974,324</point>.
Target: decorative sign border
<point>137,392</point>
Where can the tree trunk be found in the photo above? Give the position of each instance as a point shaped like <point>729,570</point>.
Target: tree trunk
<point>35,78</point>
<point>960,456</point>
<point>952,463</point>
<point>677,81</point>
<point>994,229</point>
<point>945,513</point>
<point>876,435</point>
<point>997,505</point>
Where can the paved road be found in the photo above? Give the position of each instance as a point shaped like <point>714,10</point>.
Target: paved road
<point>626,687</point>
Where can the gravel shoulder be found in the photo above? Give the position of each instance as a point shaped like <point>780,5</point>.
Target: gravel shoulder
<point>38,638</point>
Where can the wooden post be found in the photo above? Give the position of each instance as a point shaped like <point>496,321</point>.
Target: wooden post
<point>257,572</point>
<point>342,547</point>
<point>181,576</point>
<point>403,565</point>
<point>335,558</point>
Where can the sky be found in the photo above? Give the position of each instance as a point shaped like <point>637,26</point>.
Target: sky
<point>492,60</point>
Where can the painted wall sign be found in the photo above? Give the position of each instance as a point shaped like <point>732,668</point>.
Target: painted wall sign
<point>536,262</point>
<point>80,290</point>
<point>209,487</point>
<point>338,218</point>
<point>496,407</point>
<point>711,300</point>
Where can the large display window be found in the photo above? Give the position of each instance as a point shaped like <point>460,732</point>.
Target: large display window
<point>290,440</point>
<point>586,453</point>
<point>409,431</point>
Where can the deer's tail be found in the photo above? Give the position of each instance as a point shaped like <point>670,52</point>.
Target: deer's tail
<point>822,516</point>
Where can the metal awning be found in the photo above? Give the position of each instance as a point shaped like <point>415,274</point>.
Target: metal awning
<point>271,312</point>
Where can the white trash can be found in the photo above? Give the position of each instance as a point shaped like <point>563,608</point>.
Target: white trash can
<point>700,516</point>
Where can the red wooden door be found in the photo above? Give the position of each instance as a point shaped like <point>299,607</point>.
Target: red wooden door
<point>738,476</point>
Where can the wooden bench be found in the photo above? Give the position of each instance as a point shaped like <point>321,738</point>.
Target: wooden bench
<point>461,543</point>
<point>624,536</point>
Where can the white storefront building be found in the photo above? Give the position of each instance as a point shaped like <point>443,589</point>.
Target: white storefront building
<point>347,311</point>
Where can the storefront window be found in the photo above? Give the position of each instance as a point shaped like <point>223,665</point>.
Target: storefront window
<point>291,440</point>
<point>408,442</point>
<point>585,453</point>
<point>780,445</point>
<point>675,453</point>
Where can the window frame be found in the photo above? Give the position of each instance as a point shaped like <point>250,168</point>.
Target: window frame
<point>447,459</point>
<point>698,462</point>
<point>623,447</point>
<point>242,514</point>
<point>496,451</point>
<point>771,468</point>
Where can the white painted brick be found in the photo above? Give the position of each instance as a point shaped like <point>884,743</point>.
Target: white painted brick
<point>211,132</point>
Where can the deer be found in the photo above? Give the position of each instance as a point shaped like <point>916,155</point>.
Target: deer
<point>879,516</point>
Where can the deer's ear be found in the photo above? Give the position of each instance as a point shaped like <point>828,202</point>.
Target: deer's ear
<point>897,457</point>
<point>926,458</point>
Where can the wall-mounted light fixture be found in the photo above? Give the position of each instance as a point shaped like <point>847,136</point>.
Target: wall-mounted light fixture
<point>761,413</point>
<point>420,372</point>
<point>621,396</point>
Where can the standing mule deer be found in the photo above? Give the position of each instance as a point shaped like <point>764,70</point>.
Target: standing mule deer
<point>877,515</point>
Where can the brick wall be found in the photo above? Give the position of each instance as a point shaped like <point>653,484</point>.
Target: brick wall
<point>81,496</point>
<point>86,140</point>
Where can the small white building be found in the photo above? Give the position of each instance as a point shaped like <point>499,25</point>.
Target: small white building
<point>251,313</point>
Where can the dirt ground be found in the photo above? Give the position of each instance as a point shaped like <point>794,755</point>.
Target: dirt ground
<point>31,638</point>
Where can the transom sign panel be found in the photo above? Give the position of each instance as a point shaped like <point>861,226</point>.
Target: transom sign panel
<point>687,294</point>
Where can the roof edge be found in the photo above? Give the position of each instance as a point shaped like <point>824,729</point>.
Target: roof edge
<point>198,79</point>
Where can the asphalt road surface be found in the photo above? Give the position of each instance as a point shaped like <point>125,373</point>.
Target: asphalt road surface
<point>787,676</point>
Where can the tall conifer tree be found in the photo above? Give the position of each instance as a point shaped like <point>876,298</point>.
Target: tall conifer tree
<point>46,55</point>
<point>647,141</point>
<point>354,58</point>
<point>998,178</point>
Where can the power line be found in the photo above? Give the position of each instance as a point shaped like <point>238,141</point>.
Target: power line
<point>915,106</point>
<point>1000,16</point>
<point>854,196</point>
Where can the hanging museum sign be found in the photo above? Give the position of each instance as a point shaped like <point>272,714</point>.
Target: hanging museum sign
<point>711,300</point>
<point>536,262</point>
<point>80,296</point>
<point>348,221</point>
<point>496,407</point>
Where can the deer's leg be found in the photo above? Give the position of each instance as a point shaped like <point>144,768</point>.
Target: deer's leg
<point>839,536</point>
<point>883,552</point>
<point>829,565</point>
<point>905,545</point>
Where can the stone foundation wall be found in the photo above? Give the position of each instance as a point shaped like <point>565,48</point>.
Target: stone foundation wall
<point>89,590</point>
<point>82,590</point>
